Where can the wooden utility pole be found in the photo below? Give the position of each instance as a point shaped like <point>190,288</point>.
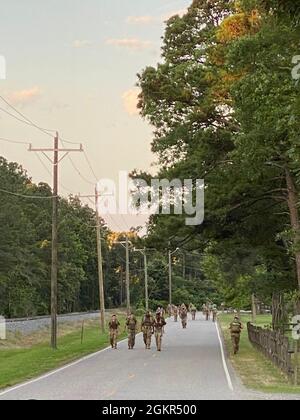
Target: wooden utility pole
<point>183,265</point>
<point>127,276</point>
<point>296,361</point>
<point>54,254</point>
<point>100,264</point>
<point>253,308</point>
<point>143,251</point>
<point>54,265</point>
<point>170,273</point>
<point>170,277</point>
<point>146,282</point>
<point>121,289</point>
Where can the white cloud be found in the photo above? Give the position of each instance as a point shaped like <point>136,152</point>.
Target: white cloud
<point>130,101</point>
<point>26,96</point>
<point>180,13</point>
<point>141,20</point>
<point>130,43</point>
<point>81,43</point>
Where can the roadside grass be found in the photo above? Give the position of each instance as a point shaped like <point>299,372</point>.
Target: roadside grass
<point>26,357</point>
<point>254,369</point>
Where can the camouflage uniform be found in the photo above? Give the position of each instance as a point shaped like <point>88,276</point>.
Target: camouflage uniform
<point>175,312</point>
<point>215,313</point>
<point>131,325</point>
<point>114,325</point>
<point>147,328</point>
<point>159,324</point>
<point>193,311</point>
<point>183,316</point>
<point>235,330</point>
<point>207,313</point>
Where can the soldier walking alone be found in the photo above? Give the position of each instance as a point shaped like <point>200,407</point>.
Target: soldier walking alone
<point>131,325</point>
<point>159,324</point>
<point>215,314</point>
<point>193,310</point>
<point>235,331</point>
<point>114,326</point>
<point>175,312</point>
<point>183,316</point>
<point>207,313</point>
<point>147,329</point>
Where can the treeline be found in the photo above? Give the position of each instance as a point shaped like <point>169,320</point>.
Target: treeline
<point>25,248</point>
<point>25,255</point>
<point>225,107</point>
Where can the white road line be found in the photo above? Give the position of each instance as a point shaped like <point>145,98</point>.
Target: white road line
<point>54,372</point>
<point>227,374</point>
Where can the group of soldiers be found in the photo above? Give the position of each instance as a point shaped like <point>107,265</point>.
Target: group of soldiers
<point>154,325</point>
<point>150,326</point>
<point>210,311</point>
<point>182,312</point>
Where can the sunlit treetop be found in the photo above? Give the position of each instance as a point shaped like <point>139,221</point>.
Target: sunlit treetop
<point>239,25</point>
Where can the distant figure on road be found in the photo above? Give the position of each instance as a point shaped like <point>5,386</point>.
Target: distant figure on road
<point>183,315</point>
<point>159,324</point>
<point>175,312</point>
<point>131,325</point>
<point>235,331</point>
<point>147,329</point>
<point>170,310</point>
<point>193,310</point>
<point>207,313</point>
<point>114,326</point>
<point>215,314</point>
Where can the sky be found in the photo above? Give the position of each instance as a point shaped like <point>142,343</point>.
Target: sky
<point>72,66</point>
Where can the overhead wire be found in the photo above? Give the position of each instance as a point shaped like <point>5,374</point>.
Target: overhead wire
<point>27,196</point>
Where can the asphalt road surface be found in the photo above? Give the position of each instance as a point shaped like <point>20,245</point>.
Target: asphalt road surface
<point>190,367</point>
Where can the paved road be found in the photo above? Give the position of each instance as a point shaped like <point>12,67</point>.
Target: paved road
<point>189,367</point>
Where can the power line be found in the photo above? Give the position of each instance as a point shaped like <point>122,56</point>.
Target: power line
<point>90,166</point>
<point>13,141</point>
<point>49,173</point>
<point>68,141</point>
<point>17,118</point>
<point>76,169</point>
<point>107,214</point>
<point>43,164</point>
<point>27,196</point>
<point>27,120</point>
